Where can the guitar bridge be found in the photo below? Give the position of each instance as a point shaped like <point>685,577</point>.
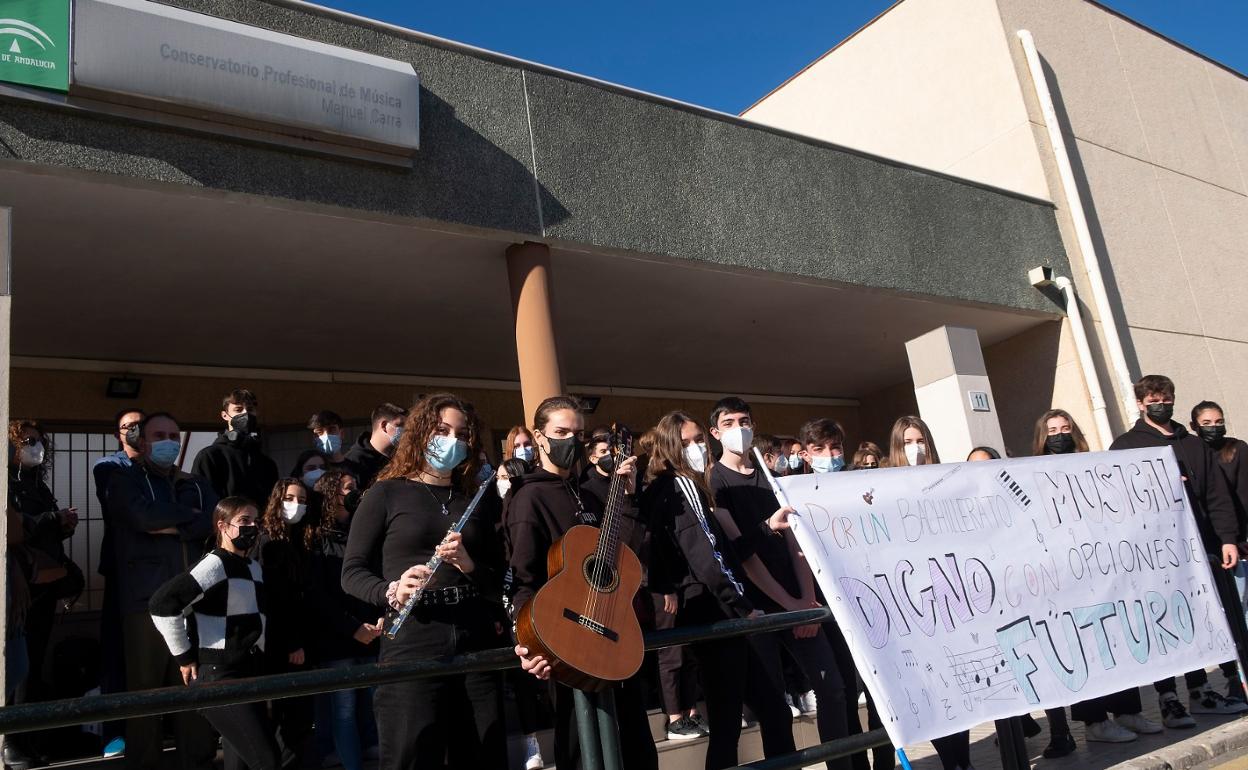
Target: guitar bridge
<point>591,624</point>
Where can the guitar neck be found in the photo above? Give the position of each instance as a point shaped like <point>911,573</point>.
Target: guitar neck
<point>609,536</point>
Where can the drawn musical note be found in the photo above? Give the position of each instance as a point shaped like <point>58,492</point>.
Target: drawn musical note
<point>973,671</point>
<point>1039,537</point>
<point>914,709</point>
<point>909,658</point>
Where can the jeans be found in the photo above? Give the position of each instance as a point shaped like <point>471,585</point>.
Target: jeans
<point>244,727</point>
<point>344,717</point>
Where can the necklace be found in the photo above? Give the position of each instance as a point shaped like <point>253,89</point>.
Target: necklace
<point>450,493</point>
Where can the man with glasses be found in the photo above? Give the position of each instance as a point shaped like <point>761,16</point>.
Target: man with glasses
<point>112,664</point>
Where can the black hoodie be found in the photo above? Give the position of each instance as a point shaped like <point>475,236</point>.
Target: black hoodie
<point>538,513</point>
<point>1206,484</point>
<point>364,462</point>
<point>237,468</point>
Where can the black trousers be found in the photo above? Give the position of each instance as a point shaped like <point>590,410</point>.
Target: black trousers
<point>636,741</point>
<point>453,721</point>
<point>954,750</point>
<point>245,730</point>
<point>149,665</point>
<point>112,652</point>
<point>814,656</point>
<point>882,757</point>
<point>1099,709</point>
<point>678,674</point>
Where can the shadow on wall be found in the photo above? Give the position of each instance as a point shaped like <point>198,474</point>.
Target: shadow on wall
<point>458,175</point>
<point>1113,293</point>
<point>1022,370</point>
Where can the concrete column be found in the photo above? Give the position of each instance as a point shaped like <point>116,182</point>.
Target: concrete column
<point>954,395</point>
<point>528,271</point>
<point>6,303</point>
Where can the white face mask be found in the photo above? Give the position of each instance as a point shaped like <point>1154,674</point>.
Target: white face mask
<point>292,512</point>
<point>525,453</point>
<point>737,440</point>
<point>695,455</point>
<point>914,452</point>
<point>503,486</point>
<point>795,462</point>
<point>31,456</point>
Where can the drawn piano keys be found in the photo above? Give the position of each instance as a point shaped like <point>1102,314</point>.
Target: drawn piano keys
<point>1015,491</point>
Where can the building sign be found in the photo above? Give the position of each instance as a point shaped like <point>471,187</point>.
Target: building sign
<point>979,401</point>
<point>34,43</point>
<point>166,58</point>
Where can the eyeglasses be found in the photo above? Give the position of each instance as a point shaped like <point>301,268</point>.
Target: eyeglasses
<point>29,441</point>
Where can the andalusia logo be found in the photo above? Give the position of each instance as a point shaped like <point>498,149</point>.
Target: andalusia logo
<point>34,43</point>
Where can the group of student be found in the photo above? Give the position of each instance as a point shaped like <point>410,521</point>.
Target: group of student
<point>305,569</point>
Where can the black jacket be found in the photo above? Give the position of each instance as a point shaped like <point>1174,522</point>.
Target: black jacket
<point>336,613</point>
<point>141,502</point>
<point>689,553</point>
<point>1236,470</point>
<point>30,495</point>
<point>364,462</point>
<point>237,468</point>
<point>538,513</point>
<point>1206,483</point>
<point>286,585</point>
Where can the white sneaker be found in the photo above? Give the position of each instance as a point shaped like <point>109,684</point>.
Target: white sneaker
<point>1109,732</point>
<point>532,754</point>
<point>862,698</point>
<point>1209,701</point>
<point>792,708</point>
<point>807,703</point>
<point>1138,724</point>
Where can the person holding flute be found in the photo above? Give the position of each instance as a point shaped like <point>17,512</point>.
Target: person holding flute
<point>404,521</point>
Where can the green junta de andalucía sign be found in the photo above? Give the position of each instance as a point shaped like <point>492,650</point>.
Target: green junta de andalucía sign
<point>34,43</point>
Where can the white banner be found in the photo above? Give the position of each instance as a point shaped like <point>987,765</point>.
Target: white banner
<point>976,591</point>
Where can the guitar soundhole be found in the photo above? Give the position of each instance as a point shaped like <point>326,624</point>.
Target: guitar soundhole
<point>604,579</point>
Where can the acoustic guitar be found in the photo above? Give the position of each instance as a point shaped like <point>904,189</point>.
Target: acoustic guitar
<point>582,621</point>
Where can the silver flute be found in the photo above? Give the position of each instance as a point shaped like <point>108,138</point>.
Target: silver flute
<point>436,561</point>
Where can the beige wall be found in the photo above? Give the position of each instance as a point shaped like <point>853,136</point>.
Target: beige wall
<point>1158,139</point>
<point>928,83</point>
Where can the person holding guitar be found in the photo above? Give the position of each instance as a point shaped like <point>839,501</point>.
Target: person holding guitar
<point>539,513</point>
<point>403,521</point>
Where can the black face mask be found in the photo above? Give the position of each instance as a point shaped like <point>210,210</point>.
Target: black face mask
<point>1160,414</point>
<point>564,451</point>
<point>606,464</point>
<point>246,537</point>
<point>352,500</point>
<point>1059,444</point>
<point>1212,434</point>
<point>242,426</point>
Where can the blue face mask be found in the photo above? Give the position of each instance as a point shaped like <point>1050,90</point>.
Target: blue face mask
<point>443,453</point>
<point>525,453</point>
<point>394,438</point>
<point>827,464</point>
<point>165,453</point>
<point>329,443</point>
<point>795,462</point>
<point>486,472</point>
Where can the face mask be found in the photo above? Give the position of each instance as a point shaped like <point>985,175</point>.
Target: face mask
<point>486,471</point>
<point>31,456</point>
<point>606,464</point>
<point>292,512</point>
<point>246,537</point>
<point>564,451</point>
<point>737,440</point>
<point>165,453</point>
<point>311,477</point>
<point>352,500</point>
<point>243,425</point>
<point>503,486</point>
<point>829,464</point>
<point>524,453</point>
<point>394,437</point>
<point>914,452</point>
<point>1213,434</point>
<point>1160,414</point>
<point>329,443</point>
<point>795,462</point>
<point>443,453</point>
<point>695,455</point>
<point>1059,444</point>
<point>781,466</point>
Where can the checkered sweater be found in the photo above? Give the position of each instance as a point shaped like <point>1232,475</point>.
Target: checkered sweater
<point>225,593</point>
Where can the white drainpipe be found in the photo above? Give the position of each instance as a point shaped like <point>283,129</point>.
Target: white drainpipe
<point>1087,252</point>
<point>1090,378</point>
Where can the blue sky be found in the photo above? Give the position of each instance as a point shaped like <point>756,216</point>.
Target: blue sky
<point>726,54</point>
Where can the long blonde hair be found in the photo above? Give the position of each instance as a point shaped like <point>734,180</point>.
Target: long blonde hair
<point>897,443</point>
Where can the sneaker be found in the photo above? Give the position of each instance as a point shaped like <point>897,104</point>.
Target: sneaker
<point>701,722</point>
<point>1139,724</point>
<point>862,698</point>
<point>683,729</point>
<point>1109,732</point>
<point>1173,715</point>
<point>1235,691</point>
<point>115,748</point>
<point>1209,701</point>
<point>532,754</point>
<point>807,703</point>
<point>1060,745</point>
<point>793,709</point>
